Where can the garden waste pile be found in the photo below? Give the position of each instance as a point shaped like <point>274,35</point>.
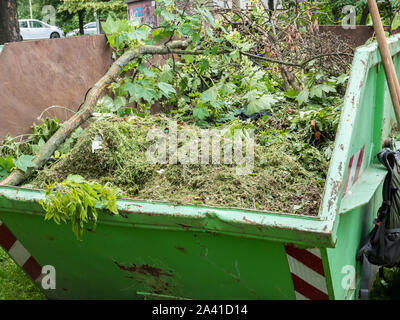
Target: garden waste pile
<point>278,182</point>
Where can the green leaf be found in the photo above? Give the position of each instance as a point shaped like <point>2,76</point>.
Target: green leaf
<point>200,113</point>
<point>119,102</point>
<point>143,69</point>
<point>328,88</point>
<point>291,94</point>
<point>262,104</point>
<point>316,91</point>
<point>149,94</point>
<point>24,162</point>
<point>36,148</point>
<point>166,89</point>
<point>138,34</point>
<point>196,37</point>
<point>138,92</point>
<point>75,178</point>
<point>207,15</point>
<point>210,95</point>
<point>134,90</point>
<point>168,16</point>
<point>7,164</point>
<point>107,103</point>
<point>186,29</point>
<point>303,97</point>
<point>3,174</point>
<point>395,22</point>
<point>342,79</point>
<point>166,75</point>
<point>204,65</point>
<point>110,26</point>
<point>188,58</point>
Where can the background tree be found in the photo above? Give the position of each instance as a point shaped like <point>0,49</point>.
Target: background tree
<point>9,27</point>
<point>80,8</point>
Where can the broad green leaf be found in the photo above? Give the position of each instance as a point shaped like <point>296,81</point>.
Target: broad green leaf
<point>24,162</point>
<point>3,174</point>
<point>166,75</point>
<point>188,58</point>
<point>204,65</point>
<point>209,95</point>
<point>168,16</point>
<point>316,91</point>
<point>143,69</point>
<point>196,37</point>
<point>138,34</point>
<point>7,163</point>
<point>186,29</point>
<point>36,148</point>
<point>328,88</point>
<point>119,102</point>
<point>110,26</point>
<point>149,94</point>
<point>107,102</point>
<point>133,89</point>
<point>261,104</point>
<point>166,89</point>
<point>207,15</point>
<point>395,22</point>
<point>303,97</point>
<point>200,113</point>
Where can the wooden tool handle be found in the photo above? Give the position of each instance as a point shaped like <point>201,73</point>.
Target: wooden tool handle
<point>387,61</point>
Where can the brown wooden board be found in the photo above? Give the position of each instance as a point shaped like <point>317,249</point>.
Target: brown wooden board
<point>37,74</point>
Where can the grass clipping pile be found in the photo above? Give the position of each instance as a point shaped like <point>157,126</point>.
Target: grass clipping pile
<point>277,182</point>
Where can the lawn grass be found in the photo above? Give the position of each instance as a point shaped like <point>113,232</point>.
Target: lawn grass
<point>14,283</point>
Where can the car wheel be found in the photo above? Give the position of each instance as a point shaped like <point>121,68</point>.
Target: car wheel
<point>22,39</point>
<point>54,35</point>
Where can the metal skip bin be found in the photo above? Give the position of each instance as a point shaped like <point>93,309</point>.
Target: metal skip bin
<point>158,250</point>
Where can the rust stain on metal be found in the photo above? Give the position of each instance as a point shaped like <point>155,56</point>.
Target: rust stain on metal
<point>181,249</point>
<point>145,269</point>
<point>249,221</point>
<point>184,226</point>
<point>330,204</point>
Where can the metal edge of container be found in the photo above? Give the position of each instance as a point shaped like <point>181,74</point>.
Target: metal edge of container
<point>365,58</point>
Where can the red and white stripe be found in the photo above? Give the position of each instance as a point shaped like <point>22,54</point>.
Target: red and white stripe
<point>307,273</point>
<point>353,173</point>
<point>19,254</point>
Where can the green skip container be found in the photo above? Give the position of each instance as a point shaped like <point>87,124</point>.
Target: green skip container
<point>162,251</point>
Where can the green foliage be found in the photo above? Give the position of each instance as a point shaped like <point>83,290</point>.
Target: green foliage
<point>389,290</point>
<point>6,166</point>
<point>280,182</point>
<point>99,6</point>
<point>18,152</point>
<point>75,199</point>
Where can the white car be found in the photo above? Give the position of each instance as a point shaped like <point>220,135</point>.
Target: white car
<point>88,29</point>
<point>32,29</point>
